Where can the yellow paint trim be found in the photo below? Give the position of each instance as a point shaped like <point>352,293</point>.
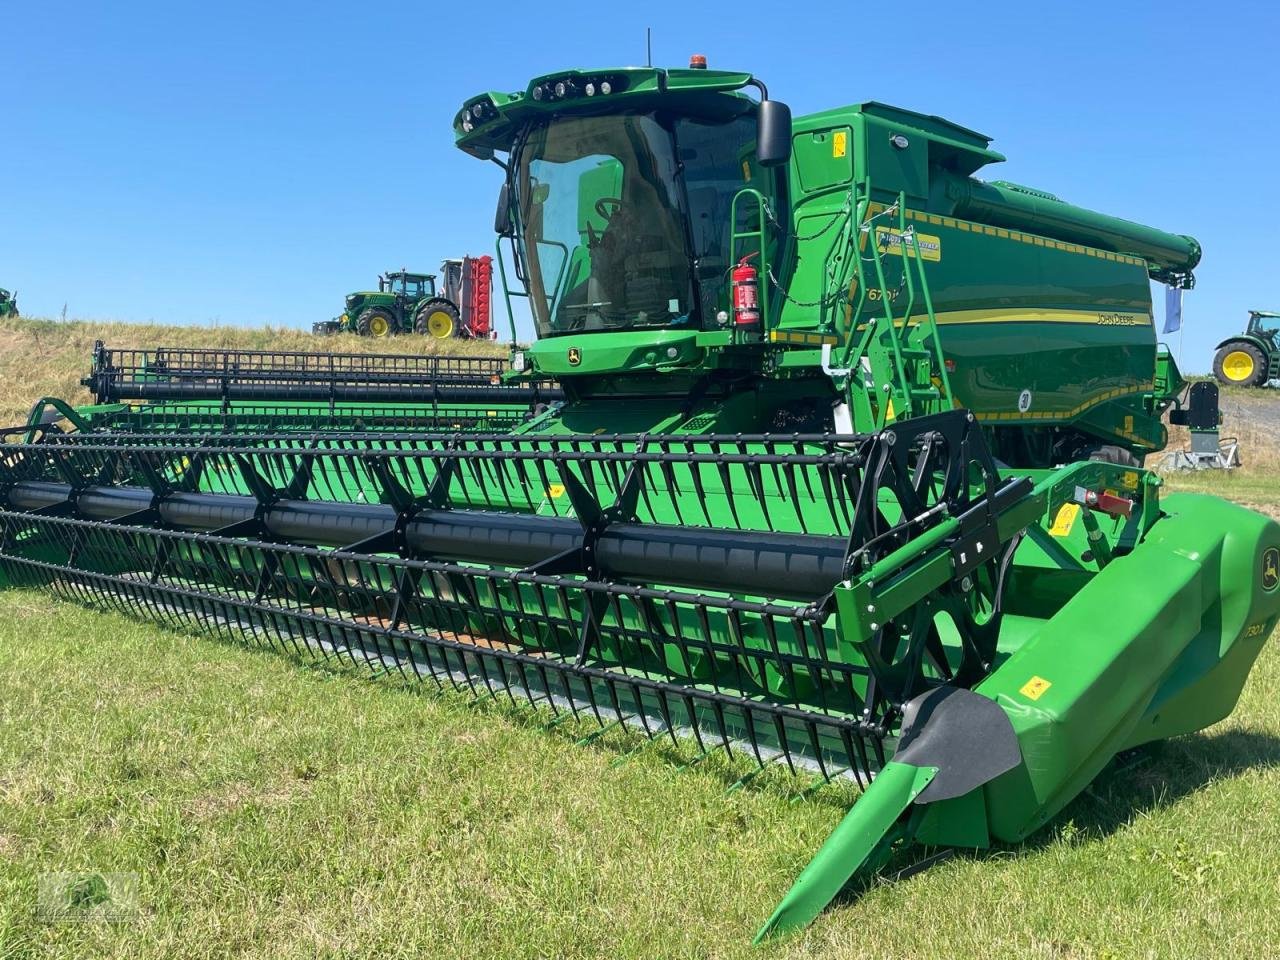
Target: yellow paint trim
<point>1059,414</point>
<point>1014,235</point>
<point>806,339</point>
<point>1035,315</point>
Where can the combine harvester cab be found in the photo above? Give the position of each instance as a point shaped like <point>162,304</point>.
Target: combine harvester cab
<point>830,485</point>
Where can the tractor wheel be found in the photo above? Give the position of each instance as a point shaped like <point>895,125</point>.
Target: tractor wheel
<point>376,323</point>
<point>438,319</point>
<point>1240,364</point>
<point>1110,453</point>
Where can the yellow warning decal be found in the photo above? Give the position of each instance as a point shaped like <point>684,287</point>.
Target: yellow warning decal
<point>555,491</point>
<point>839,143</point>
<point>1034,688</point>
<point>1065,519</point>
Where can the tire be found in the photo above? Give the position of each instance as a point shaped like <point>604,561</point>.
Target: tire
<point>1110,453</point>
<point>376,322</point>
<point>438,319</point>
<point>1240,364</point>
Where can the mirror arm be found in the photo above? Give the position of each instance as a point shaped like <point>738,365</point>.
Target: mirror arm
<point>759,85</point>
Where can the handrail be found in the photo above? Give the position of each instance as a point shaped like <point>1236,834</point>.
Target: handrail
<point>894,357</point>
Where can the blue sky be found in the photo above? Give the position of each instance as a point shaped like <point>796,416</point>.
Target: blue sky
<point>249,163</point>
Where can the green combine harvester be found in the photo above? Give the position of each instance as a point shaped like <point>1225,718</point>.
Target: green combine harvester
<point>840,477</point>
<point>8,303</point>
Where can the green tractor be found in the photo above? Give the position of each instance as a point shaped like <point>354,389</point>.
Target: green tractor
<point>410,303</point>
<point>8,303</point>
<point>1252,358</point>
<point>403,303</point>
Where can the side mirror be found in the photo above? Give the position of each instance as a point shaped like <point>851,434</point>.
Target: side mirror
<point>502,218</point>
<point>773,133</point>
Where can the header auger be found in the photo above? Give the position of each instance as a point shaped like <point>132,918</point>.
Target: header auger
<point>863,526</point>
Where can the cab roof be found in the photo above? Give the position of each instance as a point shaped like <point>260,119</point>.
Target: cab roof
<point>490,121</point>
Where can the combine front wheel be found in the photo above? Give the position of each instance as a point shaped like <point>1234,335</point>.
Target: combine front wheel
<point>1240,364</point>
<point>438,319</point>
<point>375,323</point>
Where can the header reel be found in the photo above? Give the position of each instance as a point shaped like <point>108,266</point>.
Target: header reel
<point>676,584</point>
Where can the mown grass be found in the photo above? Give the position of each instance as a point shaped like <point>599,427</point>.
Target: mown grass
<point>49,357</point>
<point>273,810</point>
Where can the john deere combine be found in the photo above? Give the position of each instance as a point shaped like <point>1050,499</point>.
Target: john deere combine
<point>842,478</point>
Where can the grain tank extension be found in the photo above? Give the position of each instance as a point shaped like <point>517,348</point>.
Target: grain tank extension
<point>833,471</point>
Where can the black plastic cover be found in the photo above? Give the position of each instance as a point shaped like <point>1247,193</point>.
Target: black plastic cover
<point>966,736</point>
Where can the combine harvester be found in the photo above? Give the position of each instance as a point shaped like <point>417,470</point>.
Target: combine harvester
<point>844,477</point>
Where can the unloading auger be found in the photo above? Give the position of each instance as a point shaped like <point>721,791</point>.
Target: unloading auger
<point>842,474</point>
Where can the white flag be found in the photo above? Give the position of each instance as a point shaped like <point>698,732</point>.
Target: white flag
<point>1172,309</point>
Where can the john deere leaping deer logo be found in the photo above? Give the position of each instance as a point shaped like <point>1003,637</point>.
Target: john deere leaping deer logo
<point>575,356</point>
<point>1270,568</point>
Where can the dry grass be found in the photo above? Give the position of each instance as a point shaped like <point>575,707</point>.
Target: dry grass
<point>40,358</point>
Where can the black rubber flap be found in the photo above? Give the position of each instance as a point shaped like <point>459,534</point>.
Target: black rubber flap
<point>966,736</point>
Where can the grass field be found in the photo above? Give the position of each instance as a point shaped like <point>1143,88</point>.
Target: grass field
<point>271,810</point>
<point>268,809</point>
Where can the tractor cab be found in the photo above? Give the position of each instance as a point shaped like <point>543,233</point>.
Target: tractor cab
<point>411,286</point>
<point>1264,324</point>
<point>8,303</point>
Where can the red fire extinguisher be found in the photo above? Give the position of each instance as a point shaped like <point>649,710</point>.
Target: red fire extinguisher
<point>746,295</point>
